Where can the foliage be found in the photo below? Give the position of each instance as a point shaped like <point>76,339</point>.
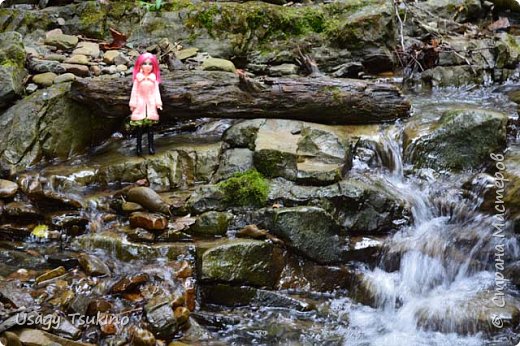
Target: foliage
<point>151,6</point>
<point>249,188</point>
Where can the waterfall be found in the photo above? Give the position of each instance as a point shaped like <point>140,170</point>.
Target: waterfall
<point>446,272</point>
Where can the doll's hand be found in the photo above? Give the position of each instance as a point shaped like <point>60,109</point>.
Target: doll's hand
<point>160,107</point>
<point>132,109</point>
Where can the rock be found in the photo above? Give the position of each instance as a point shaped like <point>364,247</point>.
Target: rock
<point>252,232</point>
<point>55,57</point>
<point>142,337</point>
<point>118,247</point>
<point>141,235</point>
<point>31,87</point>
<point>44,79</point>
<point>78,70</point>
<point>243,133</point>
<point>471,315</point>
<point>211,223</point>
<point>121,60</point>
<point>66,259</point>
<point>51,274</point>
<point>184,54</point>
<point>87,48</point>
<point>66,77</point>
<point>53,32</point>
<point>240,296</point>
<point>93,265</point>
<point>148,221</point>
<point>182,315</point>
<point>310,231</point>
<point>121,68</point>
<point>149,199</point>
<point>457,76</point>
<point>79,59</point>
<point>12,72</point>
<point>95,70</point>
<point>129,283</point>
<point>62,41</point>
<point>283,70</point>
<point>15,295</point>
<point>160,316</point>
<point>109,56</point>
<point>7,188</point>
<point>42,66</point>
<point>215,64</point>
<point>130,207</point>
<point>300,152</point>
<point>507,50</point>
<point>461,139</point>
<point>12,339</point>
<point>48,124</point>
<point>22,211</point>
<point>246,262</point>
<point>206,198</point>
<point>467,9</point>
<point>234,161</point>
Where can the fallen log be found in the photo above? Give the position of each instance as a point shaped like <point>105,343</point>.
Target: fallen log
<point>197,94</point>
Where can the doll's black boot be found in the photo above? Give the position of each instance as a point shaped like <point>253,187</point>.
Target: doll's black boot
<point>151,148</point>
<point>139,135</point>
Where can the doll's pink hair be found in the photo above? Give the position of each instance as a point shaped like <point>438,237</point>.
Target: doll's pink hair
<point>155,65</point>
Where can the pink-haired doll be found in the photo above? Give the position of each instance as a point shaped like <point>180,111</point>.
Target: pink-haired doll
<point>145,98</point>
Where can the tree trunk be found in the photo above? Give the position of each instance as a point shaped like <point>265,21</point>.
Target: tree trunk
<point>197,94</point>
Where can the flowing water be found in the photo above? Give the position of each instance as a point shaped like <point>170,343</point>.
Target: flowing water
<point>441,291</point>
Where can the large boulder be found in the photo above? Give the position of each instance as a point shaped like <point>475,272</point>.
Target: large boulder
<point>460,139</point>
<point>310,231</point>
<point>241,261</point>
<point>48,125</point>
<point>12,72</point>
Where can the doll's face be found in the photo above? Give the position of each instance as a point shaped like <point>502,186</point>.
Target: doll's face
<point>147,66</point>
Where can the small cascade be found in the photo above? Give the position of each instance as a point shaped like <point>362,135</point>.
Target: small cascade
<point>442,290</point>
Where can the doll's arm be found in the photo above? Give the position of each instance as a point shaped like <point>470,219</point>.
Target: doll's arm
<point>158,100</point>
<point>133,97</point>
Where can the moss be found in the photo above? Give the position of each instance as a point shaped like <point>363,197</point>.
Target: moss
<point>249,188</point>
<point>93,18</point>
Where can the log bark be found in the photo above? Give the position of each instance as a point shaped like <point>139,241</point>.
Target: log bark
<point>197,94</point>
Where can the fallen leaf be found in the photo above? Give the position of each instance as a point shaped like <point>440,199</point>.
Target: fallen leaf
<point>183,222</point>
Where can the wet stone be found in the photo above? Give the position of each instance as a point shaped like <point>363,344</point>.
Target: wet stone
<point>129,283</point>
<point>51,274</point>
<point>98,305</point>
<point>20,210</point>
<point>130,207</point>
<point>148,221</point>
<point>93,265</point>
<point>13,294</point>
<point>142,337</point>
<point>65,259</point>
<point>211,223</point>
<point>7,188</point>
<point>160,315</point>
<point>149,199</point>
<point>141,235</point>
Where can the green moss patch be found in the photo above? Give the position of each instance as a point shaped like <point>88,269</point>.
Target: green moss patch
<point>249,188</point>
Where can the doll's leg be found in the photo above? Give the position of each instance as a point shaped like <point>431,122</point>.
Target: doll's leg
<point>138,136</point>
<point>151,148</point>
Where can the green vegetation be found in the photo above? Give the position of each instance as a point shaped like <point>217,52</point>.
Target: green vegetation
<point>249,188</point>
<point>151,6</point>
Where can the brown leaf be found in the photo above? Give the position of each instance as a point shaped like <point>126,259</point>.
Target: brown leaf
<point>118,40</point>
<point>183,222</point>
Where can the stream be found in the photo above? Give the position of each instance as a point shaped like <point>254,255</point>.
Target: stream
<point>433,282</point>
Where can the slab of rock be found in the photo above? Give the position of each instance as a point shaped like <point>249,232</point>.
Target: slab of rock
<point>242,261</point>
<point>7,188</point>
<point>216,64</point>
<point>461,139</point>
<point>62,41</point>
<point>66,77</point>
<point>79,59</point>
<point>12,72</point>
<point>109,56</point>
<point>211,223</point>
<point>160,316</point>
<point>186,53</point>
<point>42,66</point>
<point>149,221</point>
<point>233,161</point>
<point>93,265</point>
<point>87,48</point>
<point>148,198</point>
<point>76,69</point>
<point>283,70</point>
<point>44,79</point>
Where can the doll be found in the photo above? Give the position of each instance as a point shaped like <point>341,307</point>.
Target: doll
<point>145,98</point>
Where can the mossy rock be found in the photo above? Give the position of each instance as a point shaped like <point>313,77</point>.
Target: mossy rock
<point>249,188</point>
<point>243,262</point>
<point>211,223</point>
<point>12,73</point>
<point>462,139</point>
